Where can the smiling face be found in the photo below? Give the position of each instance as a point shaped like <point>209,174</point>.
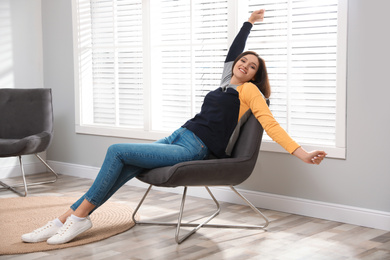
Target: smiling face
<point>245,69</point>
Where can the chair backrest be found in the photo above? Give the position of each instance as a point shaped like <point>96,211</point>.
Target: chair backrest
<point>248,143</point>
<point>25,112</point>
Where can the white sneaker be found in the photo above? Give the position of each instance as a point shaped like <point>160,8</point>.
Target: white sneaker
<point>41,234</point>
<point>70,230</point>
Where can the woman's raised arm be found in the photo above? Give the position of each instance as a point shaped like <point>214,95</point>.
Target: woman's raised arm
<point>239,42</point>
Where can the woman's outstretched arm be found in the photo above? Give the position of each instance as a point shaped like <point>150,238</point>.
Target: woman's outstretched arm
<point>239,42</point>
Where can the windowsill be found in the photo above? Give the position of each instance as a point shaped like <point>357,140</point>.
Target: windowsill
<point>333,152</point>
<point>266,146</point>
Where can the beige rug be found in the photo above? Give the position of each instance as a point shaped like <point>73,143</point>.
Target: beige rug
<point>23,215</point>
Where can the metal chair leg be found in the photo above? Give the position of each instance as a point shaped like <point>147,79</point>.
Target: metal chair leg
<point>204,223</point>
<point>139,205</point>
<point>19,185</point>
<point>254,209</point>
<point>25,184</point>
<point>178,225</point>
<point>198,226</point>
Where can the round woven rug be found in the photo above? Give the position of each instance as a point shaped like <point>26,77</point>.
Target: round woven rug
<point>23,215</point>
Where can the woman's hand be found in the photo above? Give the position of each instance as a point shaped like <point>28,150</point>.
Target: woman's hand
<point>313,157</point>
<point>256,16</point>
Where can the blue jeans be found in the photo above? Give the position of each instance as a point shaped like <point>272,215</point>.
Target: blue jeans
<point>125,161</point>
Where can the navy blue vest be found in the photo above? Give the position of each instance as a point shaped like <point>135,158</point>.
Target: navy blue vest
<point>217,120</point>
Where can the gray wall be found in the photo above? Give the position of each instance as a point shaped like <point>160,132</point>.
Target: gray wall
<point>21,55</point>
<point>21,43</point>
<point>362,180</point>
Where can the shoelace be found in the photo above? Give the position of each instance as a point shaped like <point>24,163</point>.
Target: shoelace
<point>65,227</point>
<point>48,225</point>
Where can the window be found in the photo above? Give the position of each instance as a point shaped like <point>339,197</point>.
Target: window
<point>303,44</point>
<point>143,67</point>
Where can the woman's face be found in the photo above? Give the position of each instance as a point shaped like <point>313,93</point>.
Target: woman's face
<point>245,68</point>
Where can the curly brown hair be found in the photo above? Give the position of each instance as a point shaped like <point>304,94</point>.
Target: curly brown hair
<point>261,78</point>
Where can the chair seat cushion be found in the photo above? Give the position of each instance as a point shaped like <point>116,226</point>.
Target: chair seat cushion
<point>28,145</point>
<point>215,172</point>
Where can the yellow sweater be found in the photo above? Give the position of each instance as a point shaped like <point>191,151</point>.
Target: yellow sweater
<point>251,98</point>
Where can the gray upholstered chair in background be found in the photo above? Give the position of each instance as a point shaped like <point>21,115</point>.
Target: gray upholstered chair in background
<point>212,172</point>
<point>26,127</point>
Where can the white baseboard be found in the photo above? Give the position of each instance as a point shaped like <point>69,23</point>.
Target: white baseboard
<point>329,211</point>
<point>15,171</point>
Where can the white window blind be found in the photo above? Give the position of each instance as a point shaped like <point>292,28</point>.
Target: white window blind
<point>189,41</point>
<point>111,63</point>
<point>298,41</point>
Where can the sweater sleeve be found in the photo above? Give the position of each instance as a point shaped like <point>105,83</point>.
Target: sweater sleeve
<point>251,95</point>
<point>239,42</point>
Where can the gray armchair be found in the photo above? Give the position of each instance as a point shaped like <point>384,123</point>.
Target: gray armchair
<point>212,172</point>
<point>26,127</point>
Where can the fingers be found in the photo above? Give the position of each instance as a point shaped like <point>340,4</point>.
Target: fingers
<point>318,156</point>
<point>257,16</point>
<point>260,14</point>
<point>316,160</point>
<point>260,11</point>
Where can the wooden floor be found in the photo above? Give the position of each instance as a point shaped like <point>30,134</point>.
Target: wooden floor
<point>287,237</point>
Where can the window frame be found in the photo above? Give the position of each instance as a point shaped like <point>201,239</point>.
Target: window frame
<point>237,14</point>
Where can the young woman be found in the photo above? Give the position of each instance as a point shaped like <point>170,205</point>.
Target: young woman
<point>244,89</point>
